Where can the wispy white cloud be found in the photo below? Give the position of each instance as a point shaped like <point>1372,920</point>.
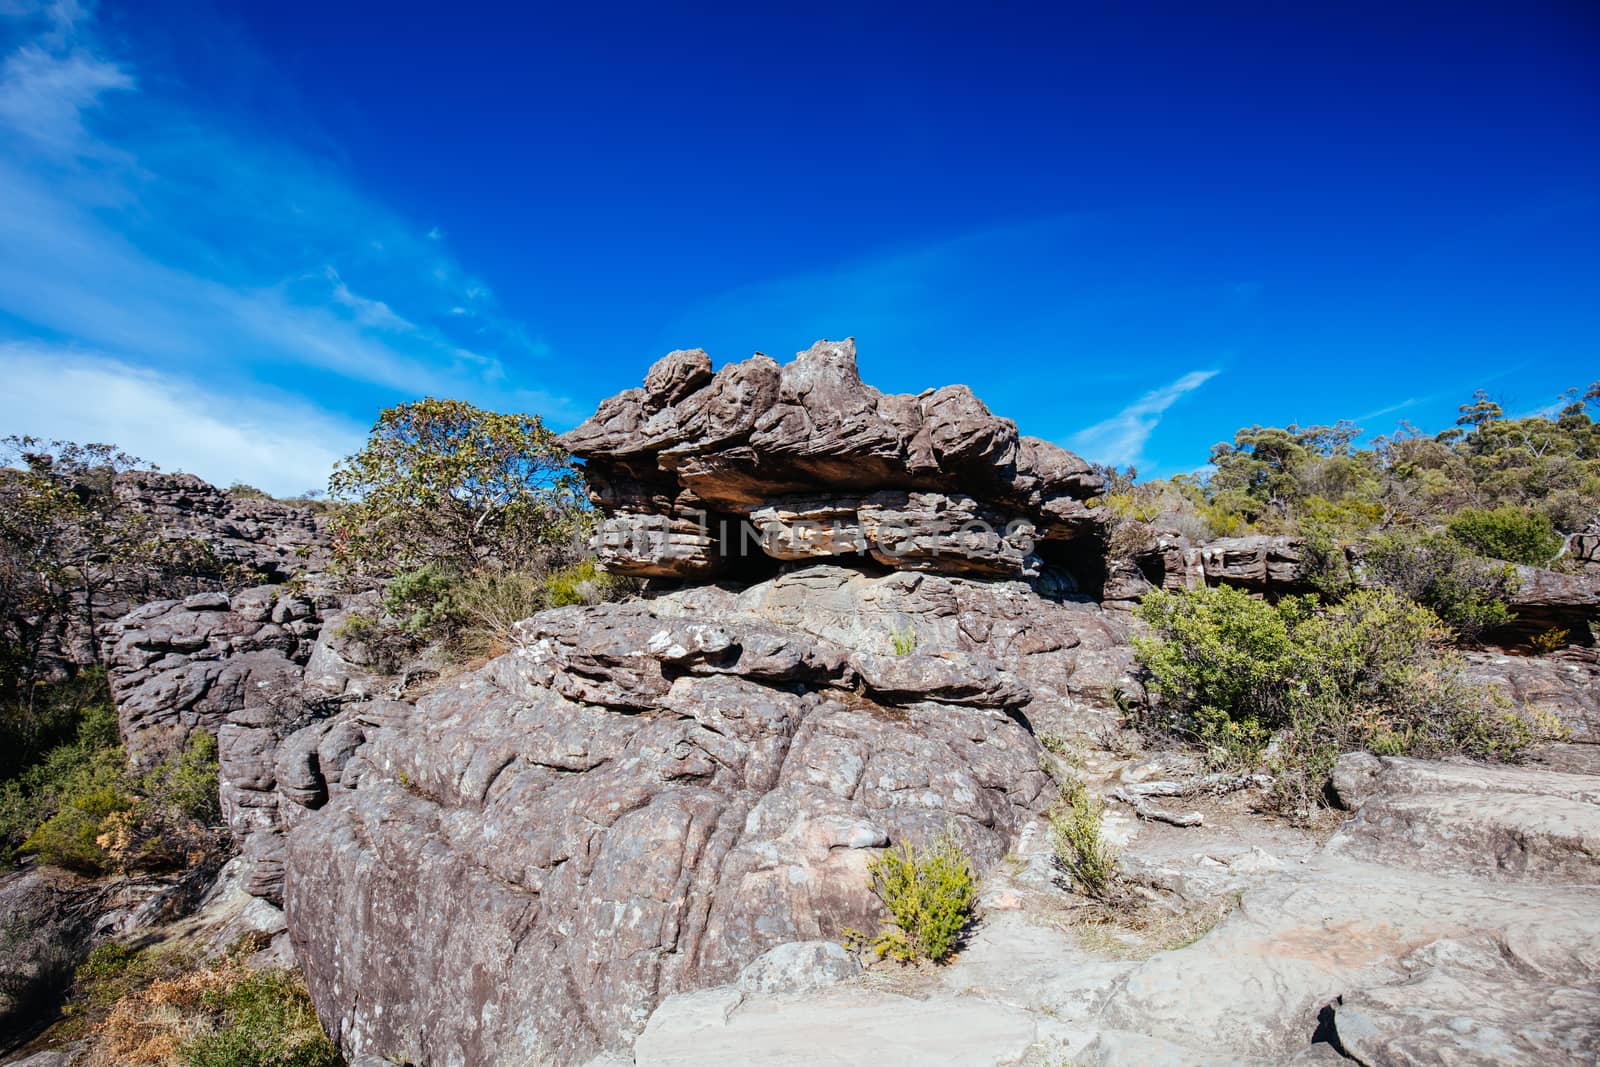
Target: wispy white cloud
<point>278,445</point>
<point>144,231</point>
<point>43,96</point>
<point>1390,409</point>
<point>1120,440</point>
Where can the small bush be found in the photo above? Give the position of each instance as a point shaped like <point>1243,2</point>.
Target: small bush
<point>1374,671</point>
<point>77,808</point>
<point>1507,532</point>
<point>175,820</point>
<point>930,893</point>
<point>222,1015</point>
<point>490,604</point>
<point>1080,850</point>
<point>54,809</point>
<point>471,614</point>
<point>71,837</point>
<point>1551,640</point>
<point>903,640</point>
<point>1439,572</point>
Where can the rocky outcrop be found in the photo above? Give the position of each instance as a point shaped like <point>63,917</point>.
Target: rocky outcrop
<point>251,669</point>
<point>642,798</point>
<point>1444,923</point>
<point>267,537</point>
<point>177,666</point>
<point>700,473</point>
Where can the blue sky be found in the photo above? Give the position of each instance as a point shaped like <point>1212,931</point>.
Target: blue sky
<point>230,234</point>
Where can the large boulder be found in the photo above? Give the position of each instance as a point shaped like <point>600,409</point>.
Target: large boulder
<point>697,472</point>
<point>641,799</point>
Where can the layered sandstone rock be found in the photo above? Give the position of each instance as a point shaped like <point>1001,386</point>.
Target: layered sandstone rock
<point>250,669</point>
<point>642,798</point>
<point>697,471</point>
<point>268,537</point>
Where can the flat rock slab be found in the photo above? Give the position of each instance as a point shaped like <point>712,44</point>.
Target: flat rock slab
<point>1451,921</point>
<point>840,1028</point>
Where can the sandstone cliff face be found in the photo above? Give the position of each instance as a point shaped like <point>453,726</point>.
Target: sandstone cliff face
<point>700,473</point>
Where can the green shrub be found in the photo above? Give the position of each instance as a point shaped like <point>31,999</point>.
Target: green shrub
<point>54,809</point>
<point>1221,662</point>
<point>264,1019</point>
<point>175,820</point>
<point>929,892</point>
<point>1469,593</point>
<point>1507,532</point>
<point>903,640</point>
<point>1080,849</point>
<point>52,718</point>
<point>77,807</point>
<point>1373,672</point>
<point>580,583</point>
<point>472,614</point>
<point>187,782</point>
<point>420,600</point>
<point>71,837</point>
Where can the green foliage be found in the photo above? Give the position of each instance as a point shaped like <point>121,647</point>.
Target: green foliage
<point>930,893</point>
<point>1277,480</point>
<point>582,582</point>
<point>1055,744</point>
<point>472,614</point>
<point>1235,673</point>
<point>76,807</point>
<point>264,1019</point>
<point>1437,571</point>
<point>54,808</point>
<point>903,640</point>
<point>53,717</point>
<point>444,484</point>
<point>70,543</point>
<point>489,604</point>
<point>1507,532</point>
<point>175,820</point>
<point>1551,640</point>
<point>1080,850</point>
<point>420,600</point>
<point>1222,662</point>
<point>70,837</point>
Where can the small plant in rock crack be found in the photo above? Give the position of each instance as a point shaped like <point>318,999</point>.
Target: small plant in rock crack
<point>904,640</point>
<point>1080,849</point>
<point>1055,744</point>
<point>930,893</point>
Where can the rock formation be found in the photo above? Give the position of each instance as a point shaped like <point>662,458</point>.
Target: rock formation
<point>268,537</point>
<point>699,474</point>
<point>642,798</point>
<point>637,833</point>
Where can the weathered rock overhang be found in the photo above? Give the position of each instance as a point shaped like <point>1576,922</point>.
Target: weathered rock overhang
<point>701,475</point>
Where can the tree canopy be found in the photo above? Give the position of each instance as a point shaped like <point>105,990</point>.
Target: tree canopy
<point>444,483</point>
